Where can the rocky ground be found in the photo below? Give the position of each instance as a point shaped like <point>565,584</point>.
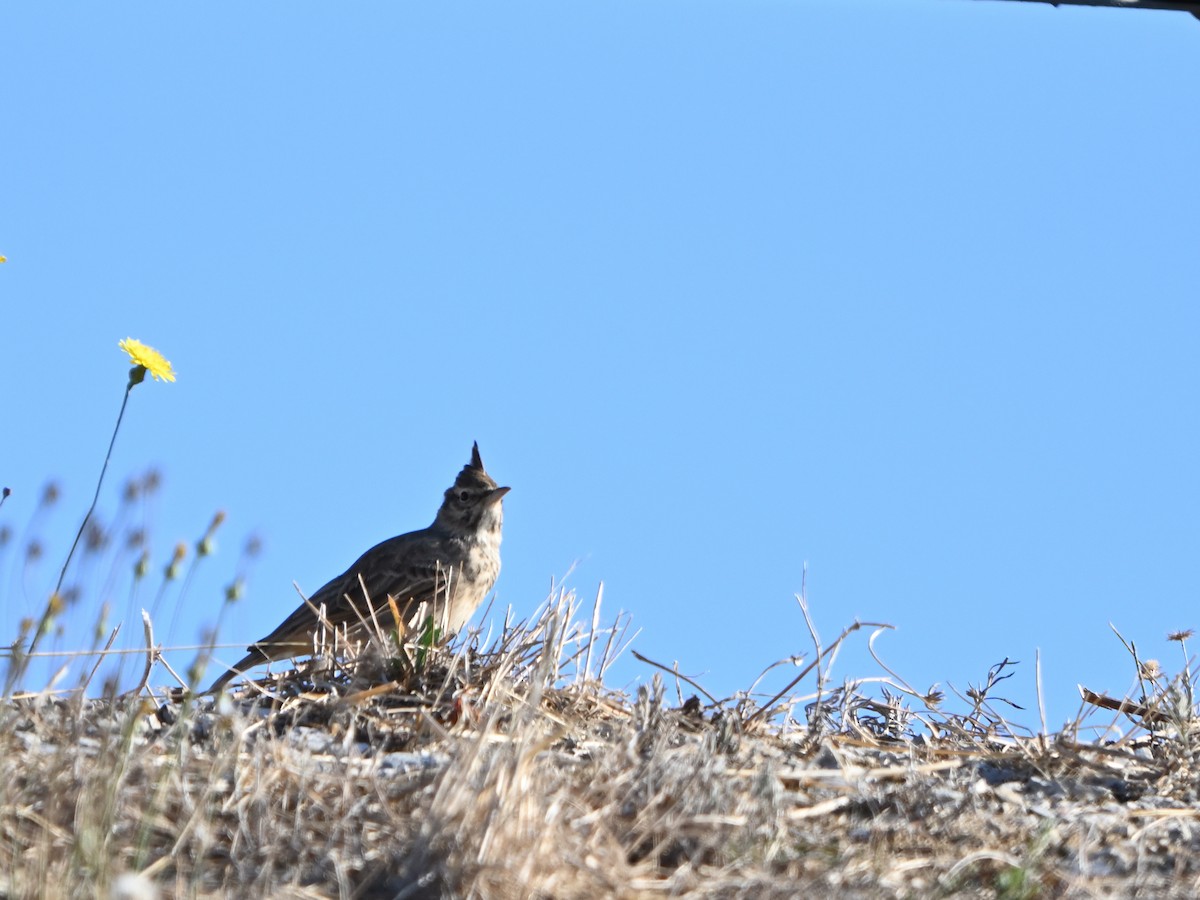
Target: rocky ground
<point>500,775</point>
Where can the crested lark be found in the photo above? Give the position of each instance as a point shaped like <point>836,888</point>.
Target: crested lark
<point>451,565</point>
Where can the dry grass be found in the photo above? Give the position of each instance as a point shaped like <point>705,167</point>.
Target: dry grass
<point>511,772</point>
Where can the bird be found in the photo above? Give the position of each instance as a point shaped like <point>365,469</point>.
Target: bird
<point>449,566</point>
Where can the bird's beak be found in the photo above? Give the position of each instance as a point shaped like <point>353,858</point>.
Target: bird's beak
<point>495,495</point>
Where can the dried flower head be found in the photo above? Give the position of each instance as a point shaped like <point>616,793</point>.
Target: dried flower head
<point>180,554</point>
<point>95,537</point>
<point>207,545</point>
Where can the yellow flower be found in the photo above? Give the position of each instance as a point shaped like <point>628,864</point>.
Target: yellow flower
<point>3,259</point>
<point>148,358</point>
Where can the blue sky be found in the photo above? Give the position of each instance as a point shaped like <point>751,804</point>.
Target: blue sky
<point>904,291</point>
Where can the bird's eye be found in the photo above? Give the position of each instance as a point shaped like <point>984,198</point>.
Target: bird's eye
<point>464,496</point>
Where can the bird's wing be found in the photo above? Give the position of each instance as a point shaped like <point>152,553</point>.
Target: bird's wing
<point>411,584</point>
<point>384,569</point>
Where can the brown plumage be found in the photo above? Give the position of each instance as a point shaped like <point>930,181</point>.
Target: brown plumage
<point>451,565</point>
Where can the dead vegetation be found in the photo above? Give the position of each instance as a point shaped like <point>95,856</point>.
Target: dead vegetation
<point>511,771</point>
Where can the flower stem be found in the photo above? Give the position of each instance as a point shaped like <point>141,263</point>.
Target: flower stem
<point>51,606</point>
